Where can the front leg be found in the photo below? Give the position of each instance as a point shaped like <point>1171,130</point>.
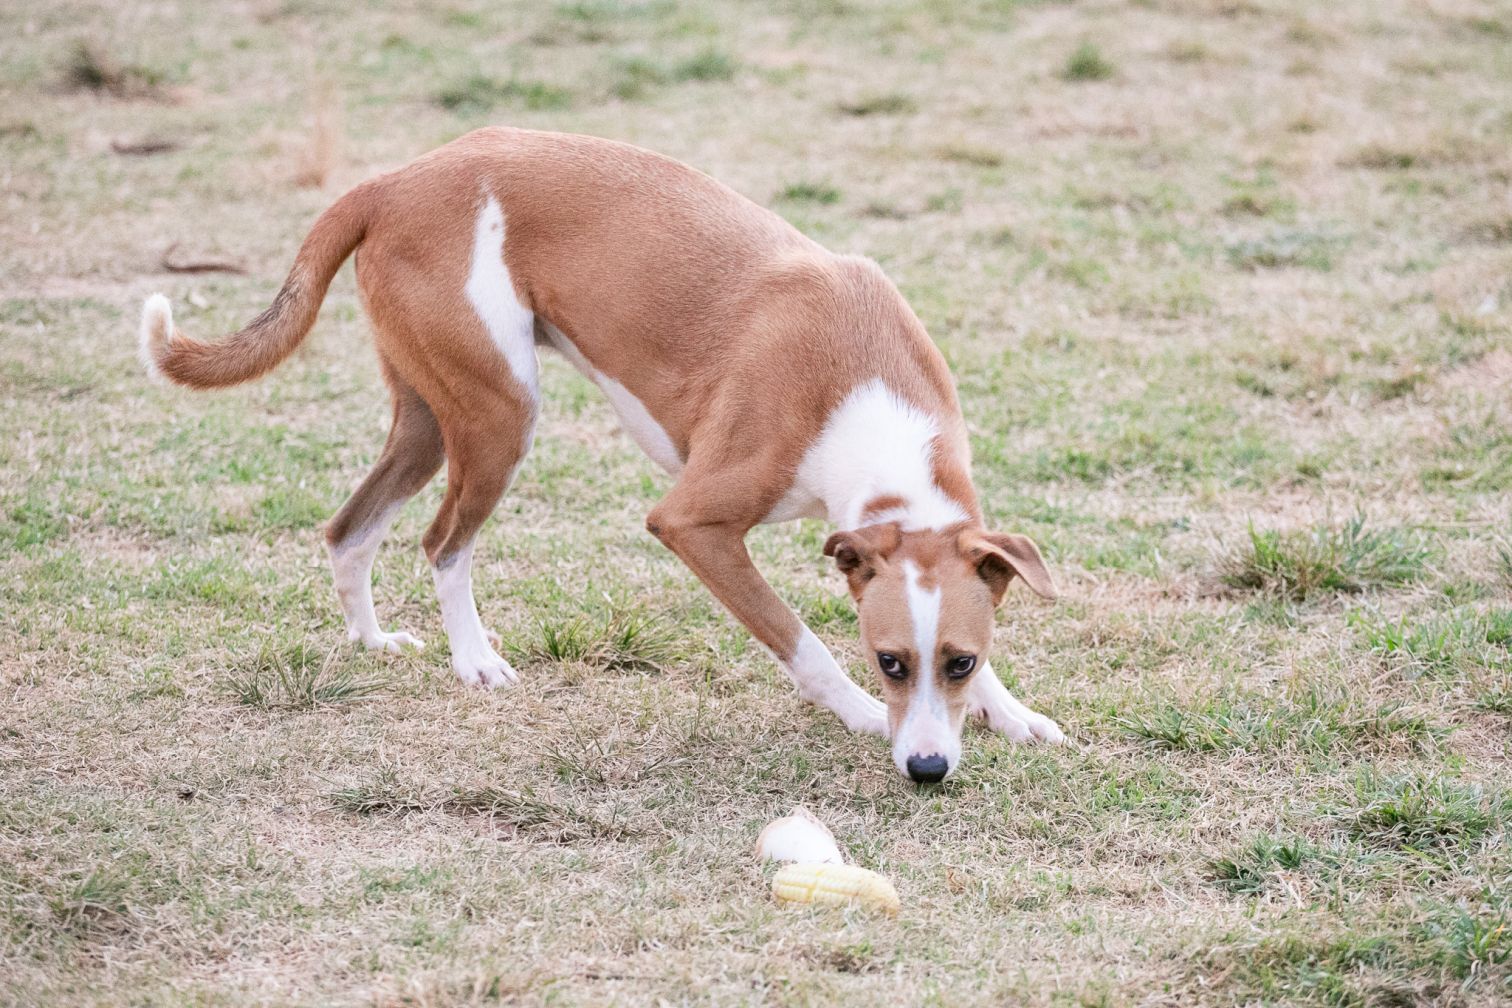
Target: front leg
<point>821,680</point>
<point>990,698</point>
<point>716,552</point>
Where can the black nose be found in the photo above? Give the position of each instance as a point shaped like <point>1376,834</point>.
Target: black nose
<point>928,769</point>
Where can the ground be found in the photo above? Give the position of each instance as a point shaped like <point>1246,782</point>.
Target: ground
<point>1225,286</point>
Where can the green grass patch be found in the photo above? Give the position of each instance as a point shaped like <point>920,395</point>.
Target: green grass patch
<point>891,103</point>
<point>1477,457</point>
<point>1424,812</point>
<point>622,639</point>
<point>1496,697</point>
<point>34,520</point>
<point>1305,249</point>
<point>1347,559</point>
<point>1458,643</point>
<point>1087,63</point>
<point>480,93</point>
<point>300,678</point>
<point>92,66</point>
<point>821,193</point>
<point>977,157</point>
<point>1254,868</point>
<point>636,77</point>
<point>1314,723</point>
<point>97,900</point>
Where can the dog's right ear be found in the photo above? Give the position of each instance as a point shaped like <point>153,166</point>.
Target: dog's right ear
<point>857,552</point>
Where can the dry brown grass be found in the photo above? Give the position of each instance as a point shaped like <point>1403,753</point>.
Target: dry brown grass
<point>321,155</point>
<point>1245,270</point>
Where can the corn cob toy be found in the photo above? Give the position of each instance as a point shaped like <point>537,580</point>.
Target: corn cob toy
<point>834,885</point>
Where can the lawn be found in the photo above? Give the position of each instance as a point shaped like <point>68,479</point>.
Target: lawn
<point>1227,289</point>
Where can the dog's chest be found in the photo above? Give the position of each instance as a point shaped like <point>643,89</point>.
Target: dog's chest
<point>875,445</point>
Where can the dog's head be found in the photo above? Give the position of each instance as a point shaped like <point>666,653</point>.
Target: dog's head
<point>926,600</point>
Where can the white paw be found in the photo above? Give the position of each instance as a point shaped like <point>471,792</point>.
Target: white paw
<point>1024,726</point>
<point>1045,729</point>
<point>484,668</point>
<point>868,715</point>
<point>393,643</point>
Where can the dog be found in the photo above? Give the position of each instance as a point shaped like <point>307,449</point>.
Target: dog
<point>770,377</point>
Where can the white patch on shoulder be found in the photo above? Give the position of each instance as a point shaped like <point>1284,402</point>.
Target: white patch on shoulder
<point>491,290</point>
<point>874,444</point>
<point>633,415</point>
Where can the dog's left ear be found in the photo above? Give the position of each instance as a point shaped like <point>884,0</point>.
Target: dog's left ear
<point>998,556</point>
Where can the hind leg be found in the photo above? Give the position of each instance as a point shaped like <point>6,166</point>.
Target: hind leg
<point>468,348</point>
<point>482,456</point>
<point>412,455</point>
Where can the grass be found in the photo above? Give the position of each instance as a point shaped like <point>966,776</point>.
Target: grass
<point>879,104</point>
<point>92,902</point>
<point>1306,249</point>
<point>820,193</point>
<point>300,678</point>
<point>92,66</point>
<point>1207,273</point>
<point>1425,813</point>
<point>1313,723</point>
<point>1452,644</point>
<point>637,76</point>
<point>1251,871</point>
<point>481,93</point>
<point>1349,558</point>
<point>624,639</point>
<point>1087,63</point>
<point>518,813</point>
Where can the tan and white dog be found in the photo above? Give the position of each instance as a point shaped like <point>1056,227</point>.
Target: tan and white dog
<point>770,377</point>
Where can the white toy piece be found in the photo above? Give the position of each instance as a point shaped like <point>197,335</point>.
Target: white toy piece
<point>798,836</point>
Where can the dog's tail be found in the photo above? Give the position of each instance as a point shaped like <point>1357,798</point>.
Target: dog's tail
<point>264,342</point>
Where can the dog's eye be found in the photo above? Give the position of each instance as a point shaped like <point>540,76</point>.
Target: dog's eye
<point>960,666</point>
<point>891,666</point>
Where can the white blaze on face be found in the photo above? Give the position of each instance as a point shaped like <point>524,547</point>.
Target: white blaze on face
<point>926,729</point>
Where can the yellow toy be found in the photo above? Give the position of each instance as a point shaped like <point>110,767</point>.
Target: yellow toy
<point>834,885</point>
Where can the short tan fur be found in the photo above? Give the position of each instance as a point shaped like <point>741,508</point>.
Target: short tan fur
<point>739,353</point>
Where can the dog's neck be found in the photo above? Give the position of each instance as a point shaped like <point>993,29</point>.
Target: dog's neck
<point>934,511</point>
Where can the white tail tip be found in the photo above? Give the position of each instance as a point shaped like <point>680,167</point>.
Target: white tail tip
<point>157,331</point>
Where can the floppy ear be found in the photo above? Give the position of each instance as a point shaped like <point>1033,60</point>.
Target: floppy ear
<point>856,553</point>
<point>999,556</point>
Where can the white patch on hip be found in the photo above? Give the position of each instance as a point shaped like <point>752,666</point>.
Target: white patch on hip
<point>874,444</point>
<point>491,290</point>
<point>633,415</point>
<point>926,729</point>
